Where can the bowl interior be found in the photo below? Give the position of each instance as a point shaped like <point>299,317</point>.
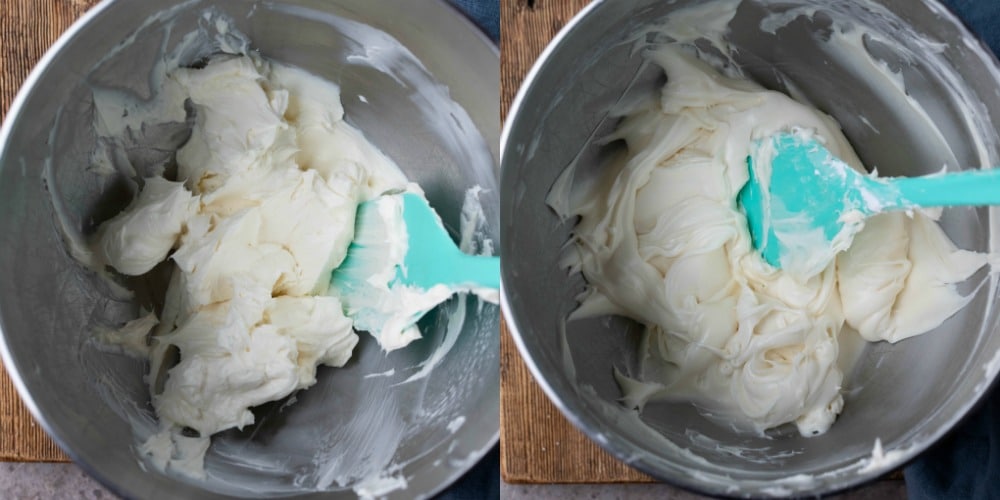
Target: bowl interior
<point>421,83</point>
<point>905,395</point>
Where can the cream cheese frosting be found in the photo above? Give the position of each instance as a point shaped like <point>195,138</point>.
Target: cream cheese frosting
<point>262,212</point>
<point>660,239</point>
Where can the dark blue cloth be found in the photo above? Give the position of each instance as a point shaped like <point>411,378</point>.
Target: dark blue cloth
<point>981,17</point>
<point>485,13</point>
<point>482,482</point>
<point>965,465</point>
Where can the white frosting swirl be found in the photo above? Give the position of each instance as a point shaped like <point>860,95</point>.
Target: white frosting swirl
<point>661,240</point>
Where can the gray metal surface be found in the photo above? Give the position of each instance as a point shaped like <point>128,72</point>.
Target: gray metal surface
<point>906,395</point>
<point>49,305</point>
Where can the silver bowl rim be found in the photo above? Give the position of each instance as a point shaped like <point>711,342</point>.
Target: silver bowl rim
<point>16,109</point>
<point>588,426</point>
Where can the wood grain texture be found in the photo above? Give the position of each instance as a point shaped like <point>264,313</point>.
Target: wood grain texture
<point>27,29</point>
<point>537,444</point>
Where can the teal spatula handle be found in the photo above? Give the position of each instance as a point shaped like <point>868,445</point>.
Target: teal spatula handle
<point>481,270</point>
<point>454,268</point>
<point>970,187</point>
<point>432,257</point>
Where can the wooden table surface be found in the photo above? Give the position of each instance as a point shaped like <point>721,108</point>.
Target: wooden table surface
<point>537,444</point>
<point>27,29</point>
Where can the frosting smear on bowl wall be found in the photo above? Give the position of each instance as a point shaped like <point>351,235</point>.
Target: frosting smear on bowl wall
<point>660,239</point>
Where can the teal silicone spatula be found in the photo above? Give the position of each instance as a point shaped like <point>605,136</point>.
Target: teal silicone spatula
<point>803,204</point>
<point>401,264</point>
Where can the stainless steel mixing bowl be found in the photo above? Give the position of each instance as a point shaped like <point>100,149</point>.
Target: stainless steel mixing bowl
<point>906,395</point>
<point>95,404</point>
